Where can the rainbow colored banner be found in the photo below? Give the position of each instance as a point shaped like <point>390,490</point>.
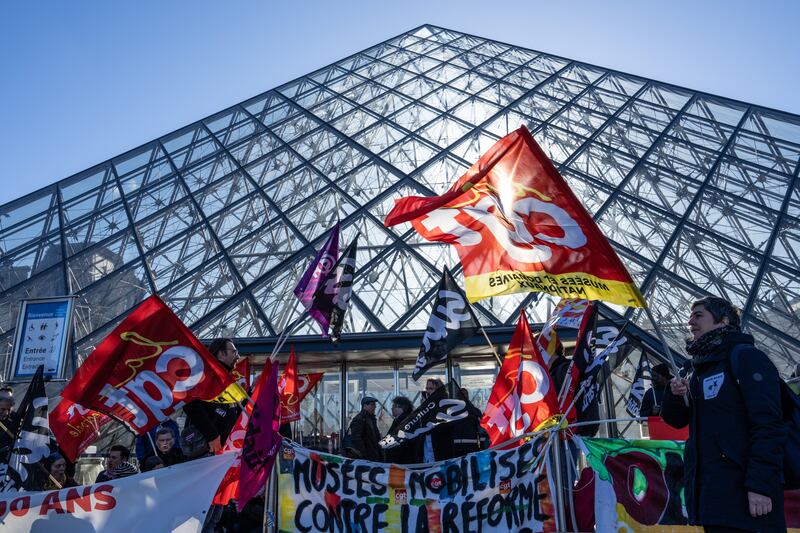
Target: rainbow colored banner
<point>485,491</point>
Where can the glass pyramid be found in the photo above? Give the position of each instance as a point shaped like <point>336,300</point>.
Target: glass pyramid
<point>699,195</point>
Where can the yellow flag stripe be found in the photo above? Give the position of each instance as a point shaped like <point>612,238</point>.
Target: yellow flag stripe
<point>571,285</point>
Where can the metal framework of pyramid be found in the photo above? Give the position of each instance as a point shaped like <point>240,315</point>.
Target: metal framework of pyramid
<point>698,194</point>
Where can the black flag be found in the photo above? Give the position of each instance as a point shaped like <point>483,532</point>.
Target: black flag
<point>343,288</point>
<point>32,441</point>
<point>594,347</point>
<point>452,321</point>
<point>444,405</point>
<point>636,395</point>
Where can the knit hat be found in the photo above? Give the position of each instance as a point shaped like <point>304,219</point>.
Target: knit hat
<point>124,469</point>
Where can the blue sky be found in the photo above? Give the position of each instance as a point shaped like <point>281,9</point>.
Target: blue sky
<point>84,81</point>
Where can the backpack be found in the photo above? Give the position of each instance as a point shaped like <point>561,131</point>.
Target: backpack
<point>790,405</point>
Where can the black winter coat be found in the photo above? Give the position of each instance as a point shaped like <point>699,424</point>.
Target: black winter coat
<point>466,432</point>
<point>365,436</point>
<point>736,437</point>
<point>407,453</point>
<point>213,419</point>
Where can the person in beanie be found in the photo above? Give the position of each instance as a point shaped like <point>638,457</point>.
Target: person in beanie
<point>734,455</point>
<point>408,452</point>
<point>364,430</point>
<point>654,396</point>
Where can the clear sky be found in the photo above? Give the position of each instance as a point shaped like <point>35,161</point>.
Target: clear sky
<point>83,81</point>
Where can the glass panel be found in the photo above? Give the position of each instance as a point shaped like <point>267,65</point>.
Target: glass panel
<point>238,320</point>
<point>379,383</point>
<point>339,161</point>
<point>182,255</point>
<point>635,226</point>
<point>776,300</point>
<point>273,167</point>
<point>409,154</point>
<point>195,296</point>
<point>266,249</point>
<point>166,225</point>
<point>94,264</point>
<point>321,409</point>
<point>44,285</point>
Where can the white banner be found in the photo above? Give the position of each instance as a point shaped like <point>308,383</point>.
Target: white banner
<point>168,499</point>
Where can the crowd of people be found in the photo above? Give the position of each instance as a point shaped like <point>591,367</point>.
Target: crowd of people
<point>727,395</point>
<point>445,441</point>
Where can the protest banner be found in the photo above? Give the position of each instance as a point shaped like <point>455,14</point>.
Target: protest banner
<point>639,487</point>
<point>168,499</point>
<point>487,491</point>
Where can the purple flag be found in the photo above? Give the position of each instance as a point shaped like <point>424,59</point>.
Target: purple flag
<point>261,440</point>
<point>317,302</point>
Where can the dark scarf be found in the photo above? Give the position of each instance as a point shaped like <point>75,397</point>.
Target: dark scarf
<point>708,342</point>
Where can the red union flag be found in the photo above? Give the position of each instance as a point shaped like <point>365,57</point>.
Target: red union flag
<point>523,395</point>
<point>149,367</point>
<point>518,227</point>
<point>241,373</point>
<point>288,389</point>
<point>75,427</point>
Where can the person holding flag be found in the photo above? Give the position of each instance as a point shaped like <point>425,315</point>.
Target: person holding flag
<point>214,421</point>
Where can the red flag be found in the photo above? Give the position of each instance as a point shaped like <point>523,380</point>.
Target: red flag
<point>147,368</point>
<point>288,388</point>
<point>523,395</point>
<point>261,441</point>
<point>75,427</point>
<point>241,373</point>
<point>307,382</point>
<point>229,486</point>
<point>518,227</point>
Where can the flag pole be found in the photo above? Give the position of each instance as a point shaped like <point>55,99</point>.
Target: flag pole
<point>667,349</point>
<point>491,346</point>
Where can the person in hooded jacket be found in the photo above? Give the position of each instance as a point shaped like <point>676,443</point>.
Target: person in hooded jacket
<point>734,455</point>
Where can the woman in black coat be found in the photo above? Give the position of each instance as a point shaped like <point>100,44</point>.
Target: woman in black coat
<point>407,453</point>
<point>734,455</point>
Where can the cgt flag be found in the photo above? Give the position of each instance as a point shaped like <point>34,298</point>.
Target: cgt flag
<point>288,387</point>
<point>148,368</point>
<point>31,443</point>
<point>444,405</point>
<point>451,321</point>
<point>640,381</point>
<point>75,427</point>
<point>523,396</point>
<point>518,227</point>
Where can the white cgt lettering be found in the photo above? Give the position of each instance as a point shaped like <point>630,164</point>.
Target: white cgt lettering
<point>136,398</point>
<point>518,242</point>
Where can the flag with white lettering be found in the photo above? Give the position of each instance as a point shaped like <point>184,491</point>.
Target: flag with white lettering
<point>523,395</point>
<point>310,289</point>
<point>343,288</point>
<point>641,381</point>
<point>518,227</point>
<point>444,405</point>
<point>31,443</point>
<point>451,321</point>
<point>149,367</point>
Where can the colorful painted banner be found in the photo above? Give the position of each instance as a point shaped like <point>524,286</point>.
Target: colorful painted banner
<point>167,499</point>
<point>484,491</point>
<point>639,487</point>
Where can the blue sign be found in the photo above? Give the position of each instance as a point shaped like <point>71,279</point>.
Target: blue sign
<point>42,337</point>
